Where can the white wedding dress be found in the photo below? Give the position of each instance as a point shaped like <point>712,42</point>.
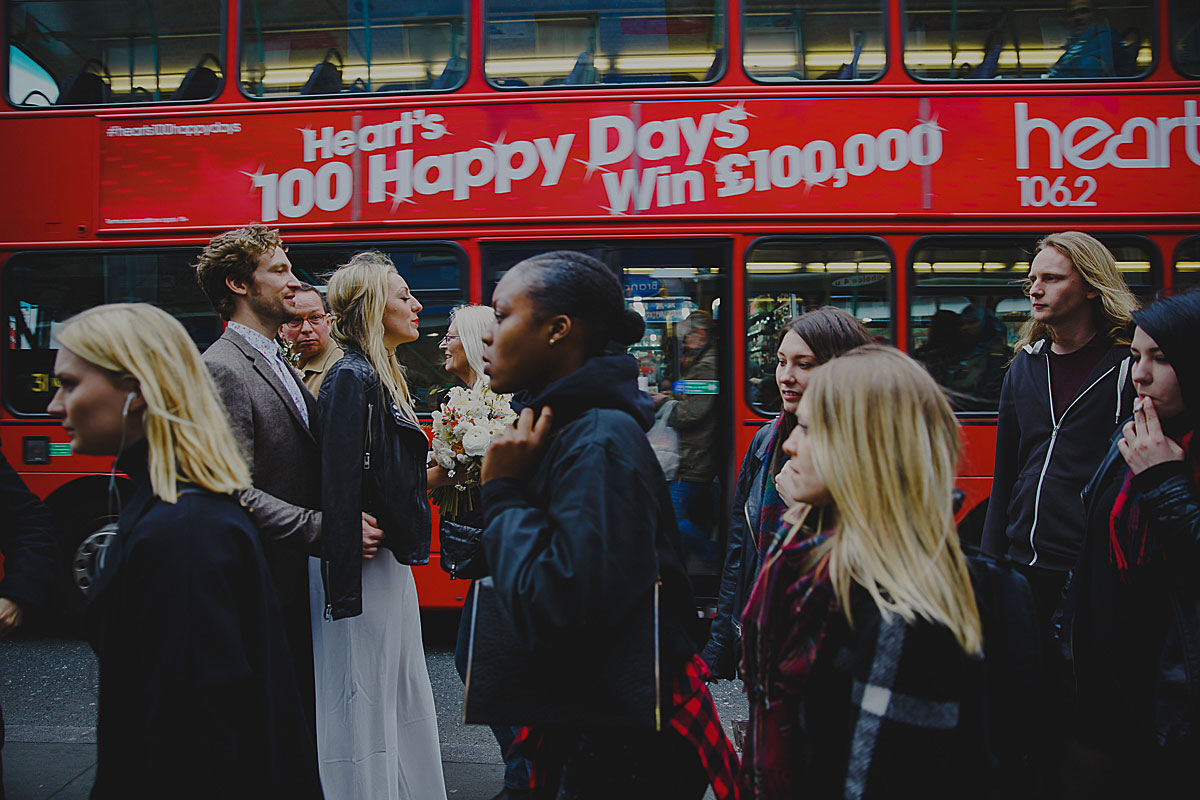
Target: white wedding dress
<point>377,736</point>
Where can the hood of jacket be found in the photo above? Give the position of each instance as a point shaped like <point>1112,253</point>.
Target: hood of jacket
<point>602,382</point>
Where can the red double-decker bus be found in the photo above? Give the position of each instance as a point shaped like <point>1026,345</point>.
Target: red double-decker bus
<point>748,159</point>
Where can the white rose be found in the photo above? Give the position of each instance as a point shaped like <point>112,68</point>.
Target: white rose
<point>442,454</point>
<point>476,440</point>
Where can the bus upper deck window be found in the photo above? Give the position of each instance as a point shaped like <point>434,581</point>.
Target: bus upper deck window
<point>307,48</point>
<point>562,43</point>
<point>64,53</point>
<point>1039,40</point>
<point>787,42</point>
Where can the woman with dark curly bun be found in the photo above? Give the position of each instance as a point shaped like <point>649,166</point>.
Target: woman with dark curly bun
<point>584,550</point>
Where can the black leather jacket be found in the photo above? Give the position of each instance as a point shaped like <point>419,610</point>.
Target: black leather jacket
<point>373,460</point>
<point>723,650</point>
<point>1099,620</point>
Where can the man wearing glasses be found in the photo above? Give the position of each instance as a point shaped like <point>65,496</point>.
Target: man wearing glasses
<point>308,334</point>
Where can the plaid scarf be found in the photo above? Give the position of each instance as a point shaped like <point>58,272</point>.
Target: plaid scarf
<point>694,718</point>
<point>1129,542</point>
<point>782,628</point>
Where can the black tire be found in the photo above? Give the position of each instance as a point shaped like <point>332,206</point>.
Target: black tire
<point>78,509</point>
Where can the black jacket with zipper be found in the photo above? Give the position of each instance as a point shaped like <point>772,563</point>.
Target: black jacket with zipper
<point>1035,514</point>
<point>576,546</point>
<point>373,460</point>
<point>1136,645</point>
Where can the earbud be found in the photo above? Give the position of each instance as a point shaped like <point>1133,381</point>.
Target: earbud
<point>129,398</point>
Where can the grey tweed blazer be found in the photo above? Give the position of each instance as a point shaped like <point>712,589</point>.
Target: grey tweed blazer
<point>283,455</point>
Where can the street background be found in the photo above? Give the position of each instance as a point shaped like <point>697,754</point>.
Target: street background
<point>48,692</point>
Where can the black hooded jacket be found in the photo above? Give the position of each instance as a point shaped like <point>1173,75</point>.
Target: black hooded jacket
<point>575,548</point>
<point>1035,516</point>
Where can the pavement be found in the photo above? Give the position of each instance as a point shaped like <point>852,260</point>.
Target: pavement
<point>48,690</point>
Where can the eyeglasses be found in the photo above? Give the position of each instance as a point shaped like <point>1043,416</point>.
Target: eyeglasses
<point>313,319</point>
<point>449,337</point>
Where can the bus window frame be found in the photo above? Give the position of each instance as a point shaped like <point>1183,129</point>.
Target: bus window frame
<point>586,90</point>
<point>460,255</point>
<point>1030,239</point>
<point>467,17</point>
<point>222,80</point>
<point>1194,240</point>
<point>892,289</point>
<point>1148,74</point>
<point>885,9</point>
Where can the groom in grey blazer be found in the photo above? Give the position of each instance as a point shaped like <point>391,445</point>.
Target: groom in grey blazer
<point>249,281</point>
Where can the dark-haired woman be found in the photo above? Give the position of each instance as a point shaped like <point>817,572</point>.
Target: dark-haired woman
<point>1135,630</point>
<point>807,342</point>
<point>581,538</point>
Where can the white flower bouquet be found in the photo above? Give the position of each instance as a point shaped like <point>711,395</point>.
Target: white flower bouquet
<point>463,430</point>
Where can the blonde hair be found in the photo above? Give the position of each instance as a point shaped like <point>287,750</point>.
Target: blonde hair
<point>186,426</point>
<point>1112,311</point>
<point>886,443</point>
<point>358,293</point>
<point>472,323</point>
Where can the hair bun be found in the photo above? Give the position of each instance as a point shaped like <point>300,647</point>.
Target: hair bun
<point>629,327</point>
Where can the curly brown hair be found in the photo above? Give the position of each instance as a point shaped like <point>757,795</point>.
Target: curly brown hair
<point>233,254</point>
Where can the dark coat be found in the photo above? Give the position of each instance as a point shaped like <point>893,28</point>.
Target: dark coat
<point>26,542</point>
<point>198,696</point>
<point>357,418</point>
<point>1035,516</point>
<point>742,557</point>
<point>890,710</point>
<point>1136,647</point>
<point>576,547</point>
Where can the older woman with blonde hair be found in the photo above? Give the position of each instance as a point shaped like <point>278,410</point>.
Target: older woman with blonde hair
<point>379,739</point>
<point>862,637</point>
<point>181,612</point>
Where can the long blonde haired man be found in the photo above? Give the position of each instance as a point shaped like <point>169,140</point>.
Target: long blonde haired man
<point>1067,389</point>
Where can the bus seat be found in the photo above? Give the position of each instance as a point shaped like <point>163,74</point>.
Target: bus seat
<point>848,72</point>
<point>88,87</point>
<point>200,82</point>
<point>714,69</point>
<point>991,58</point>
<point>584,71</point>
<point>452,75</point>
<point>326,77</point>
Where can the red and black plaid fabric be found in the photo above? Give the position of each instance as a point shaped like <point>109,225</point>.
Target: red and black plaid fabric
<point>694,718</point>
<point>1129,542</point>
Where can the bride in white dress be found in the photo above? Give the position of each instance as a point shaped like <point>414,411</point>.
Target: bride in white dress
<point>377,735</point>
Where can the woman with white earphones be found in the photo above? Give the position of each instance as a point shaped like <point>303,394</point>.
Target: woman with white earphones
<point>194,667</point>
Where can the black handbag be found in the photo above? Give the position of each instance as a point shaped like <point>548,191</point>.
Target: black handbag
<point>461,549</point>
<point>508,684</point>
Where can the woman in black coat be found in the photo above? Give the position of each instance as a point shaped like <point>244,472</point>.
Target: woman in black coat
<point>197,693</point>
<point>1134,601</point>
<point>581,541</point>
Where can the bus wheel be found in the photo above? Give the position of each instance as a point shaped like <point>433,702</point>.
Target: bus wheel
<point>81,512</point>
